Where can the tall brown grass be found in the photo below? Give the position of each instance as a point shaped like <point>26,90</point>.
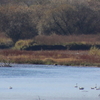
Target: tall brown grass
<point>62,57</point>
<point>63,39</point>
<point>94,51</point>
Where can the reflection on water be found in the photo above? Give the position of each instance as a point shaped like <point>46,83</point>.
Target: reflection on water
<point>48,82</point>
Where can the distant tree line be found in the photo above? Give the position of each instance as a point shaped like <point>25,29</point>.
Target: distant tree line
<point>24,19</point>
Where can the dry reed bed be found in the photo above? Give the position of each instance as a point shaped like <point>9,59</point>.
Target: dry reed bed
<point>62,57</point>
<point>63,39</point>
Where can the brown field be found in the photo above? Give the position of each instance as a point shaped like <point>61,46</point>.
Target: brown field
<point>50,57</point>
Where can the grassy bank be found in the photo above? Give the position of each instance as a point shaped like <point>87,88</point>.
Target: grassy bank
<point>76,50</point>
<point>61,57</point>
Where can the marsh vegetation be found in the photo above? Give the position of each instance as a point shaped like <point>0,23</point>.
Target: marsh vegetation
<point>50,32</point>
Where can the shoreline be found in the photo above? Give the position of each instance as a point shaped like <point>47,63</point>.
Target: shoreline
<point>56,57</point>
<point>11,65</point>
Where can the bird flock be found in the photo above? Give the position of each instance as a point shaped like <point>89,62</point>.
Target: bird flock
<point>82,88</point>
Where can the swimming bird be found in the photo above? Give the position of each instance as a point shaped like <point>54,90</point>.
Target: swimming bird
<point>10,87</point>
<point>98,88</point>
<point>94,87</point>
<point>81,88</point>
<point>76,85</point>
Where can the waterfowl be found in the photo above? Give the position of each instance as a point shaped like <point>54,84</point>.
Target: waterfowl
<point>10,87</point>
<point>92,87</point>
<point>76,85</point>
<point>98,88</point>
<point>55,64</point>
<point>95,85</point>
<point>81,88</point>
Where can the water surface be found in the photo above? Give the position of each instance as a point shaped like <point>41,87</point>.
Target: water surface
<point>48,82</point>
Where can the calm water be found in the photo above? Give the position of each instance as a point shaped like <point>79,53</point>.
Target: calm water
<point>48,82</point>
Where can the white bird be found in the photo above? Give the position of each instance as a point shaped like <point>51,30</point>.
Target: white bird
<point>10,87</point>
<point>94,87</point>
<point>81,88</point>
<point>76,85</point>
<point>98,88</point>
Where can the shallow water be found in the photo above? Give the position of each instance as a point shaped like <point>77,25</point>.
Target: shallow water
<point>48,82</point>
